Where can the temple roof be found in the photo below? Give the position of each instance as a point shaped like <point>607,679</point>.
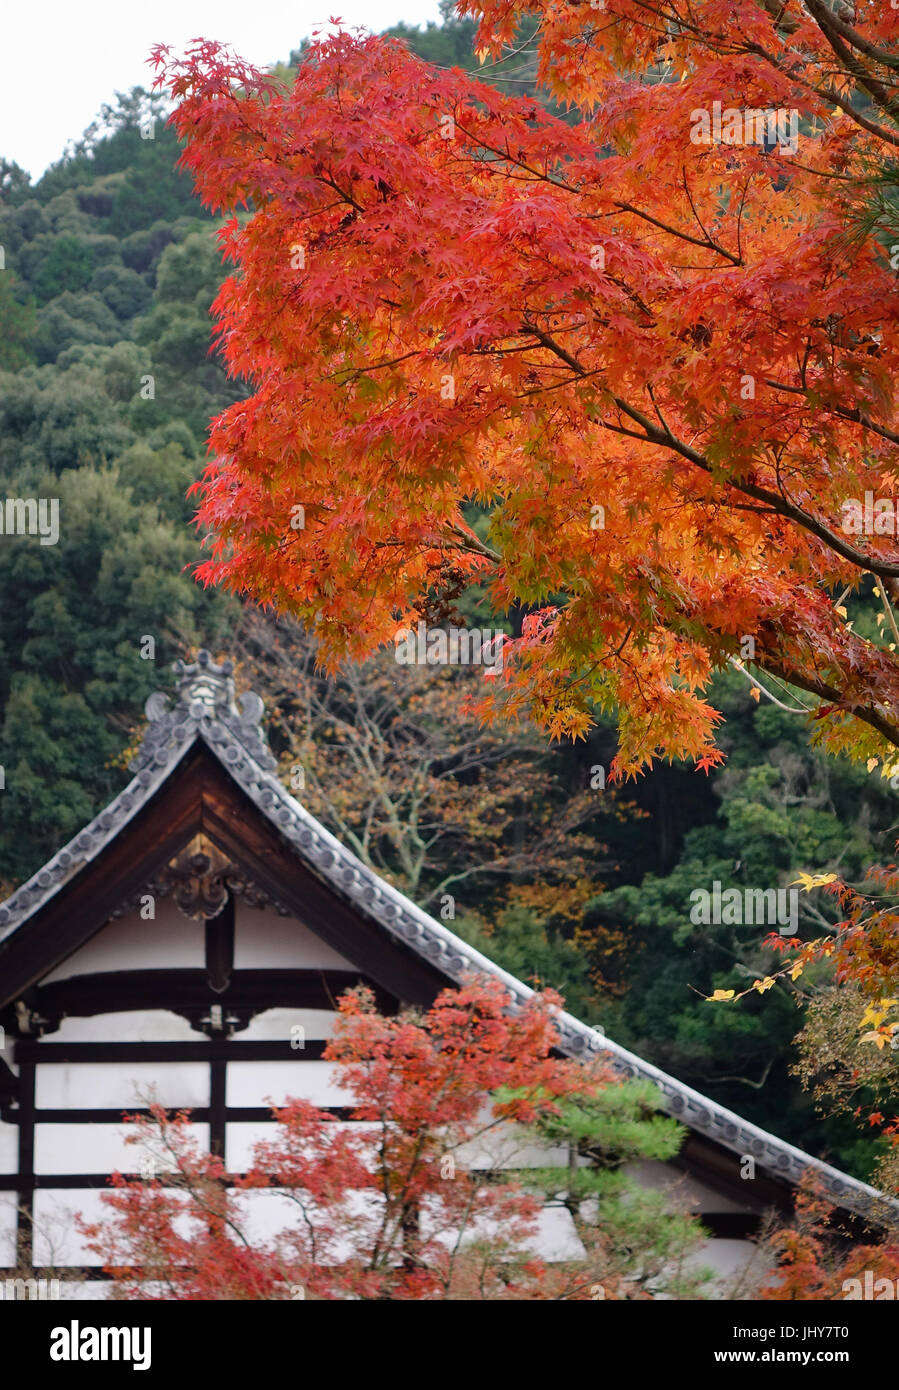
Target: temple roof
<point>205,709</point>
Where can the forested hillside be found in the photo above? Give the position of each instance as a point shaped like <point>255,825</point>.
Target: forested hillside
<point>107,383</point>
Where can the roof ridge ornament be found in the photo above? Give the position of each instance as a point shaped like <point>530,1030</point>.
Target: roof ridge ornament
<point>204,697</point>
<point>203,683</point>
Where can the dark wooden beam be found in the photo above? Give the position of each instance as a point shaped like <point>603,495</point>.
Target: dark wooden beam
<point>220,948</point>
<point>232,1050</point>
<point>218,1072</point>
<point>199,1114</point>
<point>240,830</point>
<point>187,992</point>
<point>24,1179</point>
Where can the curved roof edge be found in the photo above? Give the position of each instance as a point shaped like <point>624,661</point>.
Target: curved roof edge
<point>205,709</point>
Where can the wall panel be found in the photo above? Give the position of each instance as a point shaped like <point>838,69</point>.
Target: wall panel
<point>133,1025</point>
<point>276,1025</point>
<point>9,1148</point>
<point>250,1083</point>
<point>171,940</point>
<point>8,1202</point>
<point>264,940</point>
<point>91,1148</point>
<point>118,1085</point>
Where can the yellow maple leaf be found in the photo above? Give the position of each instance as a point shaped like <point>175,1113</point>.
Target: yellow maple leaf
<point>872,763</point>
<point>810,881</point>
<point>762,985</point>
<point>720,996</point>
<point>797,970</point>
<point>755,693</point>
<point>841,610</point>
<point>877,1012</point>
<point>880,1039</point>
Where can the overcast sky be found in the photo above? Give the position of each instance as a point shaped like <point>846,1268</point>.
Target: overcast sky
<point>63,60</point>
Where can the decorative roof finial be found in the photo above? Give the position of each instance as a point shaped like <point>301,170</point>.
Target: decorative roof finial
<point>205,697</point>
<point>203,682</point>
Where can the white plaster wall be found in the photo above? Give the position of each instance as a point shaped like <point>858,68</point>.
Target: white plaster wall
<point>119,1085</point>
<point>9,1148</point>
<point>265,1214</point>
<point>82,1290</point>
<point>133,1025</point>
<point>276,1025</point>
<point>252,1083</point>
<point>8,1203</point>
<point>101,1148</point>
<point>554,1238</point>
<point>56,1239</point>
<point>83,1148</point>
<point>508,1146</point>
<point>239,1141</point>
<point>170,941</point>
<point>264,940</point>
<point>243,1134</point>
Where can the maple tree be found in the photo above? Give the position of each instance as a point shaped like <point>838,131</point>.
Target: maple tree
<point>813,1259</point>
<point>630,371</point>
<point>849,1039</point>
<point>662,365</point>
<point>428,1196</point>
<point>848,1043</point>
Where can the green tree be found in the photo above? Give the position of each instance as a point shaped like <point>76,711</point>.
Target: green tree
<point>67,265</point>
<point>613,1215</point>
<point>19,324</point>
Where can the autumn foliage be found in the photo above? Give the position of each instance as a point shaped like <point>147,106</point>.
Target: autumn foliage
<point>850,1037</point>
<point>630,368</point>
<point>659,366</point>
<point>359,1196</point>
<point>814,1260</point>
<point>417,1196</point>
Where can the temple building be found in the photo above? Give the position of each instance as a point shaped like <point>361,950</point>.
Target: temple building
<point>199,926</point>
